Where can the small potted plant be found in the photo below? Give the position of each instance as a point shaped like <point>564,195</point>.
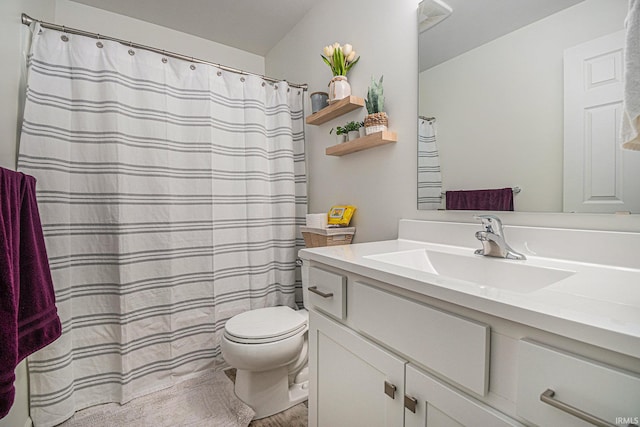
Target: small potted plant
<point>352,130</point>
<point>376,120</point>
<point>341,134</point>
<point>340,59</point>
<point>362,130</point>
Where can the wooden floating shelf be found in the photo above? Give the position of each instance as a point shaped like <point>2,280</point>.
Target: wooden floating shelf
<point>334,110</point>
<point>362,143</point>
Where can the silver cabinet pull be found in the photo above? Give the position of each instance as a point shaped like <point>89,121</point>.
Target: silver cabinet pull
<point>410,403</point>
<point>547,397</point>
<point>315,290</point>
<point>389,389</point>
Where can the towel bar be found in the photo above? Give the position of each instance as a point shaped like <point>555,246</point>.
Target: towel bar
<point>516,190</point>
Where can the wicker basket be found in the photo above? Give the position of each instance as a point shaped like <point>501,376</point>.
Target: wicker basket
<point>376,122</point>
<point>317,237</point>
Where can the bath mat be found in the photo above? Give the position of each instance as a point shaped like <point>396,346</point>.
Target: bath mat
<point>206,401</point>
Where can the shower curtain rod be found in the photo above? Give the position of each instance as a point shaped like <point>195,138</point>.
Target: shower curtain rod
<point>27,20</point>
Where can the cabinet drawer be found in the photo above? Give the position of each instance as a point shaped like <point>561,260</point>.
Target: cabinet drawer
<point>451,345</point>
<point>596,389</point>
<point>437,404</point>
<point>327,292</point>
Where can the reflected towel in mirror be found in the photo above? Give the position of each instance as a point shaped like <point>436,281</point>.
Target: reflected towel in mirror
<point>486,200</point>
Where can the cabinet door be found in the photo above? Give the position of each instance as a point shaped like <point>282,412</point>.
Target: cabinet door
<point>430,402</point>
<point>353,381</point>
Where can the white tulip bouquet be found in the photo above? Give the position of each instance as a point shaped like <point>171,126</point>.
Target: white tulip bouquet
<point>340,58</point>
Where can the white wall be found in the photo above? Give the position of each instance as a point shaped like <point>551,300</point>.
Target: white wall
<point>501,105</point>
<point>100,21</point>
<point>381,182</point>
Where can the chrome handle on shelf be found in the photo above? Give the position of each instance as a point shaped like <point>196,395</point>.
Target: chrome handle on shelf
<point>548,398</point>
<point>315,290</point>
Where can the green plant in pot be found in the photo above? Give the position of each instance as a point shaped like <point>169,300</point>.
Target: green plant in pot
<point>341,133</point>
<point>377,119</point>
<point>352,130</point>
<point>340,59</point>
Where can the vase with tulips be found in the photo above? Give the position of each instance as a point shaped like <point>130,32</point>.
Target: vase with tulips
<point>340,59</point>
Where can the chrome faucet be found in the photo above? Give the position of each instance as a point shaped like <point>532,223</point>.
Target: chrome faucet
<point>492,238</point>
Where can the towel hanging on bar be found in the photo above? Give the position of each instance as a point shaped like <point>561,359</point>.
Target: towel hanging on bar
<point>28,314</point>
<point>500,199</point>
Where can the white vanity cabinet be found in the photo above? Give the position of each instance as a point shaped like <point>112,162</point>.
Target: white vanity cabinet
<point>382,356</point>
<point>354,382</point>
<point>359,357</point>
<point>559,388</point>
<point>431,402</point>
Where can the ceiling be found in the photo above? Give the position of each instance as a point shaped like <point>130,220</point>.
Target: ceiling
<point>476,22</point>
<point>258,25</point>
<point>251,25</point>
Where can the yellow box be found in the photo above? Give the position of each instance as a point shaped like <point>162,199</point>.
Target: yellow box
<point>341,215</point>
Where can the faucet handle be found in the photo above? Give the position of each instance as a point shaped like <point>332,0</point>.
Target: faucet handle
<point>488,222</point>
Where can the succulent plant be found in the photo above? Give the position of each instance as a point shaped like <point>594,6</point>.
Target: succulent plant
<point>375,97</point>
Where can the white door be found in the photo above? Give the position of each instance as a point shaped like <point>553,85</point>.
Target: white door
<point>598,175</point>
<point>353,382</point>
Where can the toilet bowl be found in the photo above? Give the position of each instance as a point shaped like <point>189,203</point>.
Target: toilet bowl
<point>268,347</point>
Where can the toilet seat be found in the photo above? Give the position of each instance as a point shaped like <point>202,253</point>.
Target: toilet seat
<point>265,325</point>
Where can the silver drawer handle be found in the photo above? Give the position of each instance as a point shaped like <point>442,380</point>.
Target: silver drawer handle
<point>410,403</point>
<point>390,389</point>
<point>547,397</point>
<point>315,290</point>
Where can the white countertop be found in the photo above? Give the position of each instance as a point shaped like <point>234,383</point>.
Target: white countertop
<point>599,304</point>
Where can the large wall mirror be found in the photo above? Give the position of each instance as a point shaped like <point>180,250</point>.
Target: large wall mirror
<point>492,76</point>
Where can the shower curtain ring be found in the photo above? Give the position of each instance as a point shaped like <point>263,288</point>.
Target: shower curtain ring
<point>64,37</point>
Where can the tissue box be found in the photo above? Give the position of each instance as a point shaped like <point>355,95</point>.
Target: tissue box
<point>317,237</point>
<point>317,220</point>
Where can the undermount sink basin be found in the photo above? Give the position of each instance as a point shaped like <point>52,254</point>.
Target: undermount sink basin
<point>480,270</point>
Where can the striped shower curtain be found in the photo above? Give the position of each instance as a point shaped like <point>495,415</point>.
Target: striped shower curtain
<point>171,195</point>
<point>429,175</point>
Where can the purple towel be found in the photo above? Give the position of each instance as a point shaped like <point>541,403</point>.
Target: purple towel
<point>28,315</point>
<point>482,200</point>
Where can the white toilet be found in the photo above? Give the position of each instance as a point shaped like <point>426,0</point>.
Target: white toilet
<point>268,347</point>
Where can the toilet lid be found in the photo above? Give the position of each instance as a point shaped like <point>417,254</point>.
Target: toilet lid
<point>265,324</point>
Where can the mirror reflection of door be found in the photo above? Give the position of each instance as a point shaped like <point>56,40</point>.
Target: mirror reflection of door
<point>598,175</point>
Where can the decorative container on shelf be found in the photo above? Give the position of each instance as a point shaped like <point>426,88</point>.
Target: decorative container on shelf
<point>340,59</point>
<point>339,88</point>
<point>376,120</point>
<point>317,237</point>
<point>319,100</point>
